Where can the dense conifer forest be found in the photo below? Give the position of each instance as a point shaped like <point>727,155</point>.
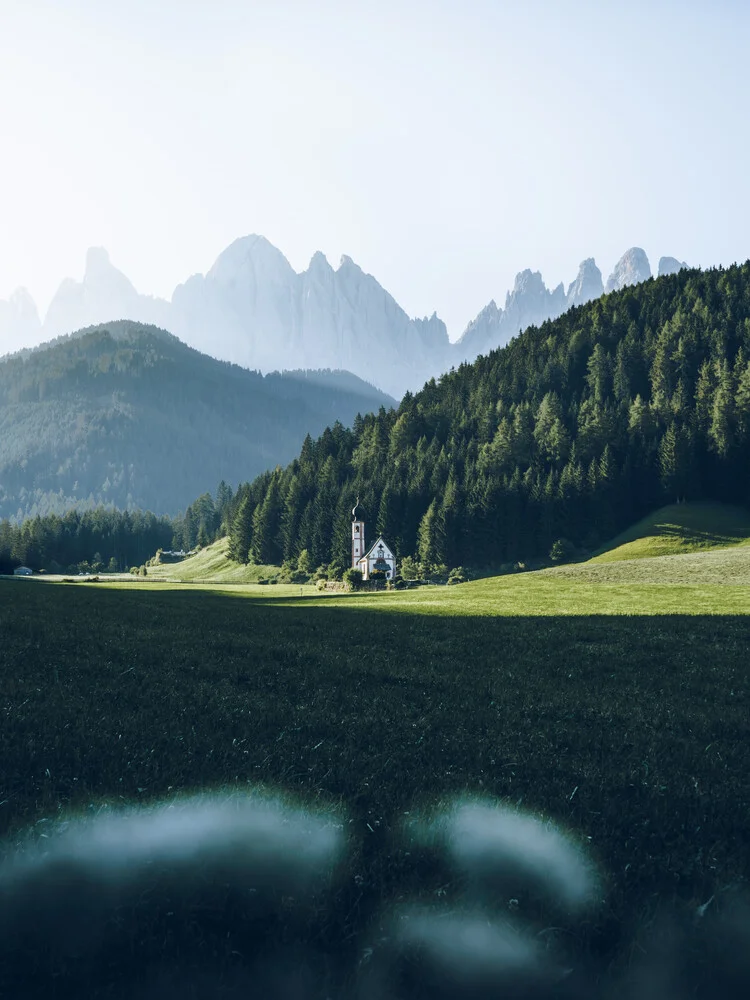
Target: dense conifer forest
<point>109,540</point>
<point>572,431</point>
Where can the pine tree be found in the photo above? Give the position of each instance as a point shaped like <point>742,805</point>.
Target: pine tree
<point>266,535</point>
<point>721,428</point>
<point>240,534</point>
<point>673,462</point>
<point>550,433</point>
<point>431,538</point>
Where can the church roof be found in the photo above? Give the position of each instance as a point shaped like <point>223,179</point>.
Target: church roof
<point>378,541</point>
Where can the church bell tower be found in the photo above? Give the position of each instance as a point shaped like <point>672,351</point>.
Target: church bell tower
<point>358,535</point>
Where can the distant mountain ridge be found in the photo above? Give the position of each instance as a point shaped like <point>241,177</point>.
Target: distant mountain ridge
<point>253,309</point>
<point>126,414</point>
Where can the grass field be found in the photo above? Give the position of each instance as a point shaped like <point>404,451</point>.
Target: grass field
<point>613,698</point>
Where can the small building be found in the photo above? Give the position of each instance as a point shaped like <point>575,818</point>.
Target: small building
<point>23,571</point>
<point>378,557</point>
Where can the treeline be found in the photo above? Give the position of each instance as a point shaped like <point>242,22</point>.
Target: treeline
<point>107,540</point>
<point>92,540</point>
<point>572,431</point>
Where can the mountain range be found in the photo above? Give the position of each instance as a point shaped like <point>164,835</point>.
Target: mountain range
<point>251,308</point>
<point>126,414</point>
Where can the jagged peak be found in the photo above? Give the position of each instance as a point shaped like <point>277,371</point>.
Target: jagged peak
<point>97,259</point>
<point>670,265</point>
<point>248,252</point>
<point>347,263</point>
<point>21,296</point>
<point>319,261</point>
<point>630,269</point>
<point>491,309</point>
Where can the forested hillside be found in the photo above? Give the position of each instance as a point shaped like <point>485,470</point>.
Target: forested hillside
<point>126,414</point>
<point>574,430</point>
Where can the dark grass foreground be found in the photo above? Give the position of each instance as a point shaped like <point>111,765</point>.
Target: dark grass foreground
<point>630,732</point>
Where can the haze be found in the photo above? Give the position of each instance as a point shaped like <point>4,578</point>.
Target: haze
<point>443,146</point>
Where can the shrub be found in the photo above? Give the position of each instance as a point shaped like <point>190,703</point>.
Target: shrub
<point>562,550</point>
<point>458,575</point>
<point>321,583</point>
<point>354,578</point>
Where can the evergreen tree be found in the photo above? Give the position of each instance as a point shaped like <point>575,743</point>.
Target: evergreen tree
<point>241,532</point>
<point>431,538</point>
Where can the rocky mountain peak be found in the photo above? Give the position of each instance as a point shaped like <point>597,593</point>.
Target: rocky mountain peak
<point>632,268</point>
<point>347,264</point>
<point>19,322</point>
<point>250,255</point>
<point>670,265</point>
<point>319,262</point>
<point>588,284</point>
<point>97,261</point>
<point>527,282</point>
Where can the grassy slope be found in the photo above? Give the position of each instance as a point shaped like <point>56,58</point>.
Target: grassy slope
<point>677,529</point>
<point>212,565</point>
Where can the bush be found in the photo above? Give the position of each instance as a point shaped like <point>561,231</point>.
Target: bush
<point>562,550</point>
<point>354,578</point>
<point>458,575</point>
<point>143,571</point>
<point>321,583</point>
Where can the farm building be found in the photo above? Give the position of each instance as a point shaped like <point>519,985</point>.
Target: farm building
<point>23,571</point>
<point>379,557</point>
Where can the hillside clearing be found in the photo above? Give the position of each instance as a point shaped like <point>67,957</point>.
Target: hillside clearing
<point>212,565</point>
<point>678,529</point>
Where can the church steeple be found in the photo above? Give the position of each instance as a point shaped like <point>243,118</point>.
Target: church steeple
<point>358,535</point>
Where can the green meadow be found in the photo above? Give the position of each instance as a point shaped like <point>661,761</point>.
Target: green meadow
<point>613,698</point>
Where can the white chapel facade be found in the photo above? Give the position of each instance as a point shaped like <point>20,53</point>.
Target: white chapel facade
<point>379,556</point>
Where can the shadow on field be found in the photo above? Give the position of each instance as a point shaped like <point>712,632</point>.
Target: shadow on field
<point>630,732</point>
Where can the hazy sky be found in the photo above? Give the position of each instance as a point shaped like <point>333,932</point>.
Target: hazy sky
<point>443,146</point>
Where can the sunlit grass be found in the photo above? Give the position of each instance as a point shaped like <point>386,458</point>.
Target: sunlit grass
<point>680,528</point>
<point>212,565</point>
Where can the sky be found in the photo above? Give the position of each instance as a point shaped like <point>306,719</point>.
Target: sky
<point>444,146</point>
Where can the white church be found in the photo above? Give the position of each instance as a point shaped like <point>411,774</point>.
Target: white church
<point>377,557</point>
